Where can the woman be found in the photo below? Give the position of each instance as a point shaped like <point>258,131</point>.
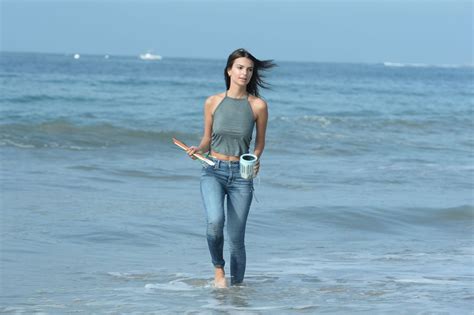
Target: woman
<point>229,120</point>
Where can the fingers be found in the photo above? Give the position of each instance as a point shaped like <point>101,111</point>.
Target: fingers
<point>191,150</point>
<point>256,167</point>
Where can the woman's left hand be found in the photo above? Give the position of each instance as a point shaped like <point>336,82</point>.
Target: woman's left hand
<point>256,167</point>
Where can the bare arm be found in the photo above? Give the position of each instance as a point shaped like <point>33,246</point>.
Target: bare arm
<point>261,110</point>
<point>206,138</point>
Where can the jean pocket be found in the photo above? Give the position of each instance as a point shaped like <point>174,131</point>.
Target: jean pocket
<point>208,169</point>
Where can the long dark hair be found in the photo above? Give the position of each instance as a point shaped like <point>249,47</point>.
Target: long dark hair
<point>256,81</point>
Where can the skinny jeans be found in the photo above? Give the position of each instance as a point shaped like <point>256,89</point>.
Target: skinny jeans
<point>219,182</point>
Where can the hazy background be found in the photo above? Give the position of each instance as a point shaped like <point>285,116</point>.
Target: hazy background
<point>432,32</point>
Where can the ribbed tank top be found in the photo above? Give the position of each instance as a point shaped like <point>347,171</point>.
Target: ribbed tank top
<point>232,126</point>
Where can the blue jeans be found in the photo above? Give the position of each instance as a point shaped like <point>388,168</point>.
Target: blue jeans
<point>217,182</point>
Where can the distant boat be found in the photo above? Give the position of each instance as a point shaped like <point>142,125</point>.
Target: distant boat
<point>150,56</point>
<point>77,56</point>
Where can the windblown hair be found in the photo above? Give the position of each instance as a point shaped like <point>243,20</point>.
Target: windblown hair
<point>256,81</point>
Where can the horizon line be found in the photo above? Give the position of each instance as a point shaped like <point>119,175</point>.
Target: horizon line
<point>389,63</point>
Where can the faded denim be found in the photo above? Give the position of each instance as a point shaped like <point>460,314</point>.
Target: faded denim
<point>217,182</point>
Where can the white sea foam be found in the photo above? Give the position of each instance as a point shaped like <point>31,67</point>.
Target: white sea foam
<point>320,119</point>
<point>16,144</point>
<point>130,275</point>
<point>323,121</point>
<point>175,285</point>
<point>217,305</point>
<point>426,281</point>
<point>399,64</point>
<point>425,65</point>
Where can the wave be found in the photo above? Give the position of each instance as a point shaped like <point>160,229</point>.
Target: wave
<point>374,121</point>
<point>425,65</point>
<point>131,82</point>
<point>9,75</point>
<point>46,98</point>
<point>393,221</point>
<point>169,82</point>
<point>65,134</point>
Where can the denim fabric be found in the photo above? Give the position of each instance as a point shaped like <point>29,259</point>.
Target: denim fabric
<point>217,182</point>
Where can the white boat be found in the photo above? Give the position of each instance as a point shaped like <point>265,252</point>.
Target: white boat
<point>150,56</point>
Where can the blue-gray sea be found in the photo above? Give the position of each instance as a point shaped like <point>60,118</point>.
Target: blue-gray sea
<point>365,196</point>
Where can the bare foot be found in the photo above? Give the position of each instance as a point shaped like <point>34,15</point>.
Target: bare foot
<point>219,278</point>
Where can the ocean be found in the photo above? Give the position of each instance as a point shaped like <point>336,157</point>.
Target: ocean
<point>364,205</point>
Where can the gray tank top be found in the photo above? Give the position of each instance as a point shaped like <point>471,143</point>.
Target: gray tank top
<point>232,126</point>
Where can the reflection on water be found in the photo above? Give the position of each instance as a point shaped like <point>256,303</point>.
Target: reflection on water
<point>232,297</point>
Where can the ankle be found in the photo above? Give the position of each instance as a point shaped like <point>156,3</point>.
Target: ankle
<point>219,278</point>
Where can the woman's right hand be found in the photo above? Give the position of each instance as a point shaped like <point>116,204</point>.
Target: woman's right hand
<point>191,151</point>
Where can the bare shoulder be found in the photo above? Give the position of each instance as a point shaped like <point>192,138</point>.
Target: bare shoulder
<point>257,104</point>
<point>214,100</point>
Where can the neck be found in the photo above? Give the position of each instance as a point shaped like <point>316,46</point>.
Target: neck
<point>237,92</point>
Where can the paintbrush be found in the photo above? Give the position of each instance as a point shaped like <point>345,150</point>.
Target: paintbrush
<point>197,155</point>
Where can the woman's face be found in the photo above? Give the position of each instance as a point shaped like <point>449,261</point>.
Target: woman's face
<point>241,71</point>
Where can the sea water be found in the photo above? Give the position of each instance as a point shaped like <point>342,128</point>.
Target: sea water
<point>365,195</point>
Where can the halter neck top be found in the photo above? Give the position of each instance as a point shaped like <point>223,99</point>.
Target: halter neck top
<point>232,126</point>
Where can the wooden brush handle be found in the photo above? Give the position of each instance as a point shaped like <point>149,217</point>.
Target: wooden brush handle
<point>197,155</point>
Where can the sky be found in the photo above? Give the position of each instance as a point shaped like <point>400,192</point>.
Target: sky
<point>405,31</point>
